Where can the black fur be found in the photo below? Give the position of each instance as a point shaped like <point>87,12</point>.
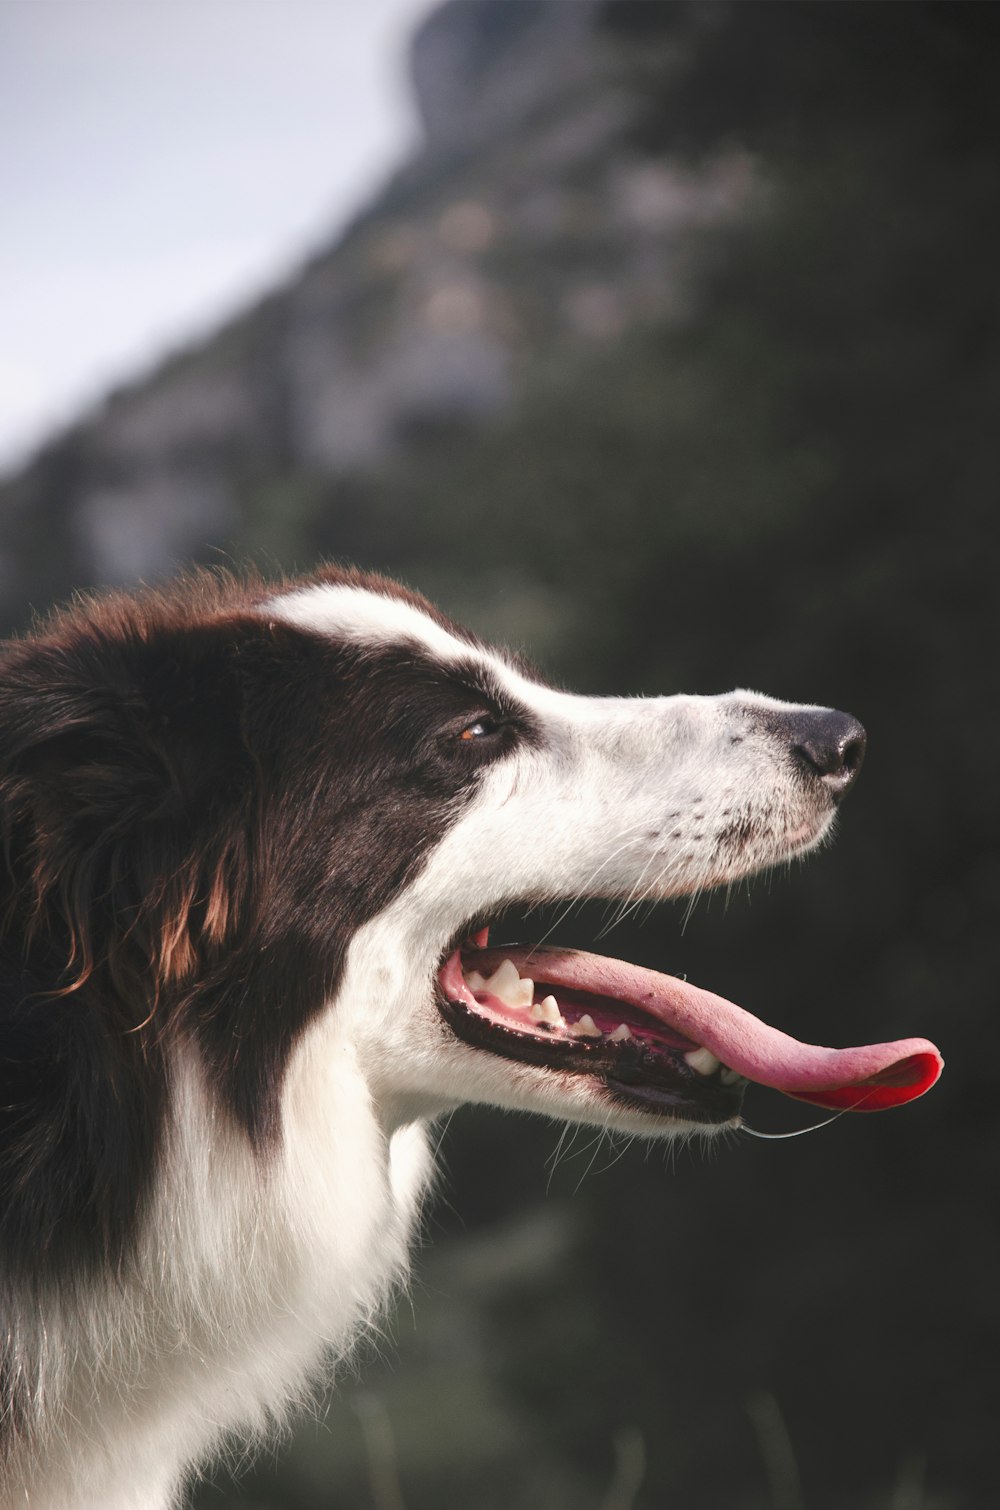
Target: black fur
<point>197,813</point>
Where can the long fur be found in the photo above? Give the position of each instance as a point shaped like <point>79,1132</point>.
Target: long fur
<point>241,825</point>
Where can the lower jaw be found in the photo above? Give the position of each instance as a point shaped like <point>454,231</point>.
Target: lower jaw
<point>676,1105</point>
<point>654,1090</point>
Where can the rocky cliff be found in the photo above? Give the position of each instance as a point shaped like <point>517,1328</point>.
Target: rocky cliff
<point>528,227</point>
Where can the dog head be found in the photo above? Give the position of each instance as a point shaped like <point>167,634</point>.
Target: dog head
<point>230,811</point>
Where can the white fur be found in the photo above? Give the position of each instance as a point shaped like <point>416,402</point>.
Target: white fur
<point>249,1276</point>
<point>365,617</point>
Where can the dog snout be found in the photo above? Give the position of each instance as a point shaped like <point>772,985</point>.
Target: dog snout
<point>830,744</point>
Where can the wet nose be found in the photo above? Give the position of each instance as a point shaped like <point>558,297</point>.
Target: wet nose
<point>831,744</point>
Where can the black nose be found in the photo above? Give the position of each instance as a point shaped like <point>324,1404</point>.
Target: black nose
<point>831,744</point>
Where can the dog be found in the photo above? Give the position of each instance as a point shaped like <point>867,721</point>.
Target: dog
<point>253,838</point>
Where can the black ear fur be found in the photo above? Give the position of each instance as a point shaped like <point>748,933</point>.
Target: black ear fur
<point>125,822</point>
<point>124,808</point>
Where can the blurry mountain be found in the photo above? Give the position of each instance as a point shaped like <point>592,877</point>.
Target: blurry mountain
<point>673,357</point>
<point>528,229</point>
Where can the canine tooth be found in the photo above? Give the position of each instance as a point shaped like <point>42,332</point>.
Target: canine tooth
<point>728,1076</point>
<point>621,1032</point>
<point>504,979</point>
<point>547,1010</point>
<point>702,1060</point>
<point>585,1027</point>
<point>509,987</point>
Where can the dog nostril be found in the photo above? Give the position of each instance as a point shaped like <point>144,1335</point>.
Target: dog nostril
<point>854,752</point>
<point>833,745</point>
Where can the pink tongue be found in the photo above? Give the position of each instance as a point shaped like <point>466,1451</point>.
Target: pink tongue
<point>869,1078</point>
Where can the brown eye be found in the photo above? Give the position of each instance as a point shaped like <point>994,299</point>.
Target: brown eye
<point>481,729</point>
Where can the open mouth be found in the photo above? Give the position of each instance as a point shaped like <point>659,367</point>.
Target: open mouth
<point>657,1043</point>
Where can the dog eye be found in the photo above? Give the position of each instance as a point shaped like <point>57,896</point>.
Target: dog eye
<point>481,729</point>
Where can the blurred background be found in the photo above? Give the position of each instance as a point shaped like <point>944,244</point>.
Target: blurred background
<point>659,340</point>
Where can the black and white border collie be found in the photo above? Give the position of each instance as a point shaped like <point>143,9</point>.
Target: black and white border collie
<point>252,837</point>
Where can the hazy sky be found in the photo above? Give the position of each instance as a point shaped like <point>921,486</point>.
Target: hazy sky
<point>163,160</point>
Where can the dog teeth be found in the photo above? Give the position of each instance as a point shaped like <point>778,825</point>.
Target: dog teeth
<point>585,1027</point>
<point>517,991</point>
<point>702,1060</point>
<point>508,986</point>
<point>547,1010</point>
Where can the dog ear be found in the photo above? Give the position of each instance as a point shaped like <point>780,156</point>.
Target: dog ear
<point>126,806</point>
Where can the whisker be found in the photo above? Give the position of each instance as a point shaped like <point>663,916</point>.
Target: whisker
<point>798,1132</point>
<point>585,889</point>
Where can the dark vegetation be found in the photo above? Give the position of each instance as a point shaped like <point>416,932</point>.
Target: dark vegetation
<point>793,487</point>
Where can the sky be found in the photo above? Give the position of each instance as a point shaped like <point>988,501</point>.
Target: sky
<point>162,161</point>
